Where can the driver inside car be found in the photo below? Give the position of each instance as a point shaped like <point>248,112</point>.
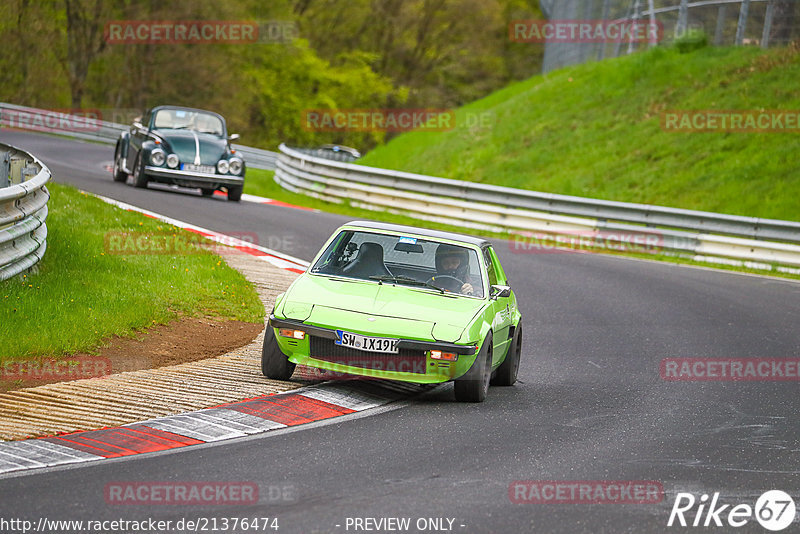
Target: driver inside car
<point>453,261</point>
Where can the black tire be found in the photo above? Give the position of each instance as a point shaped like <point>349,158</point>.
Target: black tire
<point>207,192</point>
<point>274,363</point>
<point>118,171</point>
<point>506,374</point>
<point>235,193</point>
<point>139,177</point>
<point>473,386</point>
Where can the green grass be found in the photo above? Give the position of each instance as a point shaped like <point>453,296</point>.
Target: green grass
<point>84,293</point>
<point>594,130</point>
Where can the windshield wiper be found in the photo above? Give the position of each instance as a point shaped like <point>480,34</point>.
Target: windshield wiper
<point>405,279</point>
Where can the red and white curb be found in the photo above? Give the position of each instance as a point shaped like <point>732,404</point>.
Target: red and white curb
<point>278,259</point>
<point>227,421</point>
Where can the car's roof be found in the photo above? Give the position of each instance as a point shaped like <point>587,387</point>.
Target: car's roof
<point>435,234</point>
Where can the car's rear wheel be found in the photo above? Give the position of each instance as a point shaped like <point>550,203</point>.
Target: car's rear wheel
<point>139,177</point>
<point>118,171</point>
<point>473,386</point>
<point>274,363</point>
<point>235,192</point>
<point>506,374</point>
<point>206,191</point>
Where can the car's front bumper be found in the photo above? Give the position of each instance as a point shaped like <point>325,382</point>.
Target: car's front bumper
<point>194,177</point>
<point>412,364</point>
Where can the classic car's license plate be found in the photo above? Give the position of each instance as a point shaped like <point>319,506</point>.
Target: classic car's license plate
<point>366,343</point>
<point>205,169</point>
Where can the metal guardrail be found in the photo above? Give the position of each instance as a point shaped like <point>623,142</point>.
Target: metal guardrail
<point>23,210</point>
<point>504,209</point>
<point>42,120</point>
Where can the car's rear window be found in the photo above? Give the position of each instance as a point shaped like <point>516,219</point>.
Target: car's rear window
<point>403,260</point>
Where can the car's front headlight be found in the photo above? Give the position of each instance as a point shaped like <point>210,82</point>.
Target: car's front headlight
<point>172,161</point>
<point>157,157</point>
<point>222,166</point>
<point>235,165</point>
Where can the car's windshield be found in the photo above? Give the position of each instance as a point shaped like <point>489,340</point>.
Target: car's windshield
<point>403,260</point>
<point>183,119</point>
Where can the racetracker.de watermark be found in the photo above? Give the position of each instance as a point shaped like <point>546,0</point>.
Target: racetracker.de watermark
<point>650,242</point>
<point>181,493</point>
<point>181,243</point>
<point>585,31</point>
<point>732,121</point>
<point>731,369</point>
<point>74,368</point>
<point>52,120</point>
<point>199,31</point>
<point>378,120</point>
<point>585,492</point>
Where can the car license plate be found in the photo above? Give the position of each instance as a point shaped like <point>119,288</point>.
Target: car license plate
<point>366,343</point>
<point>205,169</point>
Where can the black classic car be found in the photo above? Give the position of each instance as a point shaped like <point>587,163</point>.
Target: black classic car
<point>182,146</point>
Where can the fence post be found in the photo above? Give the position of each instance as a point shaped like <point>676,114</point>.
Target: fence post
<point>604,16</point>
<point>653,38</point>
<point>635,23</point>
<point>740,27</point>
<point>4,169</point>
<point>720,24</point>
<point>767,24</point>
<point>683,19</point>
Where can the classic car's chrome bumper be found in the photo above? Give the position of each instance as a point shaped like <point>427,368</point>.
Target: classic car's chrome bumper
<point>225,179</point>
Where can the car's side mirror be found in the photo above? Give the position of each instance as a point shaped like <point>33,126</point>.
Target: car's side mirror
<point>137,125</point>
<point>233,137</point>
<point>498,291</point>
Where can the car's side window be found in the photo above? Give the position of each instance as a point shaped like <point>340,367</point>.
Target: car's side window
<point>490,267</point>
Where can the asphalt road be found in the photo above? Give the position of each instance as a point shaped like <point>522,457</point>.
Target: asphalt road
<point>590,404</point>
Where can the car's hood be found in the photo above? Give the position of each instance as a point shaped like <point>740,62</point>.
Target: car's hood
<point>187,143</point>
<point>379,309</point>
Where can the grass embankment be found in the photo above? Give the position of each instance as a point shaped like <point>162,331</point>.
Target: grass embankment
<point>595,130</point>
<point>85,291</point>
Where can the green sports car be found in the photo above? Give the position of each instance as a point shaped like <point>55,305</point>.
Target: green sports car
<point>400,303</point>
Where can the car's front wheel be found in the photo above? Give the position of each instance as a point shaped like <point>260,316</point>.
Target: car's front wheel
<point>235,192</point>
<point>473,386</point>
<point>506,374</point>
<point>274,363</point>
<point>139,177</point>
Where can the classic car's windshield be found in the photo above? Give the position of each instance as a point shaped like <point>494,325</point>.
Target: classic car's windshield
<point>182,119</point>
<point>403,260</point>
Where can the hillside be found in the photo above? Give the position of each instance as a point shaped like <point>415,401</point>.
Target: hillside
<point>595,130</point>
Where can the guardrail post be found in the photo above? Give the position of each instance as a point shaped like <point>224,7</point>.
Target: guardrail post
<point>15,175</point>
<point>767,24</point>
<point>740,27</point>
<point>4,169</point>
<point>683,19</point>
<point>720,24</point>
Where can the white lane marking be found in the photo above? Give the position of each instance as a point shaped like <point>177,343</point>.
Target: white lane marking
<point>194,425</point>
<point>279,259</point>
<point>243,422</point>
<point>353,400</point>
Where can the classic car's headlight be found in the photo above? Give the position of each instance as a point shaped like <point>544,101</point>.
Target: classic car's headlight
<point>222,166</point>
<point>235,165</point>
<point>172,161</point>
<point>157,157</point>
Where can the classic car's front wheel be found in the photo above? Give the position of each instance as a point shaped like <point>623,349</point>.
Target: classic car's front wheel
<point>274,363</point>
<point>235,192</point>
<point>506,374</point>
<point>139,177</point>
<point>118,171</point>
<point>473,386</point>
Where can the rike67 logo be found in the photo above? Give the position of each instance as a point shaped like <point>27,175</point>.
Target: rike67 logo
<point>774,510</point>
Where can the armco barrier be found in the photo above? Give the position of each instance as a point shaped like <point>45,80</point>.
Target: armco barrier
<point>22,117</point>
<point>481,206</point>
<point>23,210</point>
